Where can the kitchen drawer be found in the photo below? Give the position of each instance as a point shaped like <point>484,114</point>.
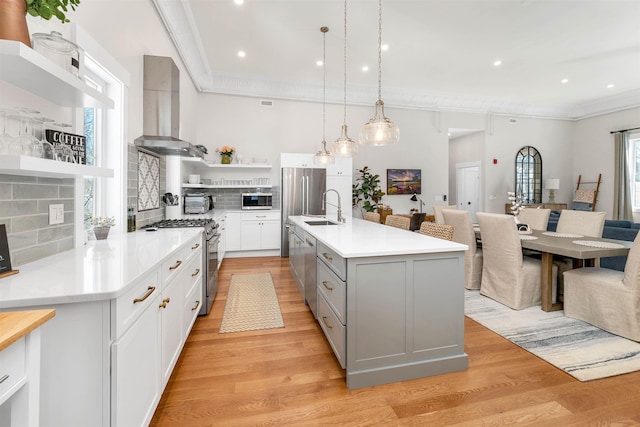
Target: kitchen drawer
<point>335,262</point>
<point>176,263</point>
<point>13,370</point>
<point>333,329</point>
<point>261,215</point>
<point>192,275</point>
<point>192,303</point>
<point>128,307</point>
<point>334,290</point>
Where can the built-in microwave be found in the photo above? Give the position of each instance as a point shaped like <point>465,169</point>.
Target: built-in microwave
<point>257,201</point>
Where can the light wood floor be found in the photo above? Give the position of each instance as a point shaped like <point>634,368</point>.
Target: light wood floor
<point>289,377</point>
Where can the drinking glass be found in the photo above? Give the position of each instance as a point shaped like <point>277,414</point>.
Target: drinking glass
<point>5,137</point>
<point>27,139</point>
<point>13,130</point>
<point>47,147</point>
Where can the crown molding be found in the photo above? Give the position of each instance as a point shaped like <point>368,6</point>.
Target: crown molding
<point>178,19</point>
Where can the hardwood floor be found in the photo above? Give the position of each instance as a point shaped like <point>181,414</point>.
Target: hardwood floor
<point>289,377</point>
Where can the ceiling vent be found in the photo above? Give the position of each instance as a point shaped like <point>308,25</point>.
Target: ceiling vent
<point>513,121</point>
<point>265,103</point>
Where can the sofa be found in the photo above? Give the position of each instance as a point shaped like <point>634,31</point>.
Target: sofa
<point>613,229</point>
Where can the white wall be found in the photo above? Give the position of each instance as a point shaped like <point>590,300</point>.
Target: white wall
<point>593,151</point>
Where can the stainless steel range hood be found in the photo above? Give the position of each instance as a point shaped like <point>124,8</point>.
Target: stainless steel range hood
<point>161,110</point>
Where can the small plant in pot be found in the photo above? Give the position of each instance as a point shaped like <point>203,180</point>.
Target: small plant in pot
<point>101,225</point>
<point>13,20</point>
<point>366,190</point>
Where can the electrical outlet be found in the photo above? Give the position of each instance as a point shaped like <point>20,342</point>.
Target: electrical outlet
<point>56,214</point>
<point>214,198</point>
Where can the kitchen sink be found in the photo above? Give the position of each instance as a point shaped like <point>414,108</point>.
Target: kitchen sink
<point>321,222</point>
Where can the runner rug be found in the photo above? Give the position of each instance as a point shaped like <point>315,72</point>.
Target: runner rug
<point>252,304</point>
<point>578,348</point>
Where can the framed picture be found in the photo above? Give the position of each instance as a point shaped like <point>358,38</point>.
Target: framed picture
<point>404,181</point>
<point>148,182</point>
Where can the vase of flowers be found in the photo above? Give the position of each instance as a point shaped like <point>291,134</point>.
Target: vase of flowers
<point>101,225</point>
<point>225,154</point>
<point>516,205</point>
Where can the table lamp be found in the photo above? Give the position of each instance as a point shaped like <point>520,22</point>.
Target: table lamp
<point>415,198</point>
<point>552,184</point>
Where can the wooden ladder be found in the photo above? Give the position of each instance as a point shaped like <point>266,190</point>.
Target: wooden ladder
<point>595,193</point>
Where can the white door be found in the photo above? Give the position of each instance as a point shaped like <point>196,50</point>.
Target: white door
<point>468,189</point>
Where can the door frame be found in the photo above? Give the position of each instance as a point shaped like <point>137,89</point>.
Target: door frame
<point>474,164</point>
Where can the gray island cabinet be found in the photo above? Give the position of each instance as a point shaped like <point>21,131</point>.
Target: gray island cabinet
<point>390,301</point>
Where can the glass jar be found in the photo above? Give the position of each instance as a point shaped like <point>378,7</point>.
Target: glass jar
<point>59,50</point>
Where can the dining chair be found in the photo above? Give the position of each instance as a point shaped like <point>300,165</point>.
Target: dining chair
<point>608,299</point>
<point>583,223</point>
<point>507,276</point>
<point>441,231</point>
<point>536,219</point>
<point>398,221</point>
<point>437,211</point>
<point>372,216</point>
<point>464,233</point>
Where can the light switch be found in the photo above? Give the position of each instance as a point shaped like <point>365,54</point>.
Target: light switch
<point>56,214</point>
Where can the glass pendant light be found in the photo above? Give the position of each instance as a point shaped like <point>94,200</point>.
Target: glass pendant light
<point>344,146</point>
<point>379,130</point>
<point>324,157</point>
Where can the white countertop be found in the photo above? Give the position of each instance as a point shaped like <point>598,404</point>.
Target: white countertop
<point>102,269</point>
<point>359,238</point>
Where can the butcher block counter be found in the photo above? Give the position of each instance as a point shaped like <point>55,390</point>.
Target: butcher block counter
<point>390,301</point>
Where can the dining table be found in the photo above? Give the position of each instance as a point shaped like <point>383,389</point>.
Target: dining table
<point>575,246</point>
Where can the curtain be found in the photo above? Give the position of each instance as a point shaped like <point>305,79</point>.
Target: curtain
<point>622,179</point>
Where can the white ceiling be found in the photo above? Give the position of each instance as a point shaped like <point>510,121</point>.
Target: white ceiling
<point>440,57</point>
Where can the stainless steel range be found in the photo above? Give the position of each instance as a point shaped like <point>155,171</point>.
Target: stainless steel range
<point>210,256</point>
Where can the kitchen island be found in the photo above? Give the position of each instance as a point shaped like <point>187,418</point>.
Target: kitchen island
<point>390,301</point>
<point>124,308</point>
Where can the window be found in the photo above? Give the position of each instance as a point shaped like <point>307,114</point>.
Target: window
<point>93,119</point>
<point>634,146</point>
<point>529,175</point>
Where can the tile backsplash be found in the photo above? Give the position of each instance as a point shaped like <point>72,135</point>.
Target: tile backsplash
<point>24,209</point>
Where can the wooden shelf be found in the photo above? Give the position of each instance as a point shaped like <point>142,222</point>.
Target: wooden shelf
<point>33,166</point>
<point>25,68</point>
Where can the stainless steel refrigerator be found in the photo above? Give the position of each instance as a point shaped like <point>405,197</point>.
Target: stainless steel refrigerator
<point>302,190</point>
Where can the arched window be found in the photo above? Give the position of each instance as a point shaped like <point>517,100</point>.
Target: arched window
<point>529,175</point>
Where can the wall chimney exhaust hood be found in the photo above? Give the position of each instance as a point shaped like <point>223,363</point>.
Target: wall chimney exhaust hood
<point>161,110</point>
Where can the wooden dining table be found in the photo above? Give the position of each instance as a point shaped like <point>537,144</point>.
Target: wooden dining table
<point>550,244</point>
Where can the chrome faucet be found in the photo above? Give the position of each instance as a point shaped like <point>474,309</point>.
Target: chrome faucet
<point>324,201</point>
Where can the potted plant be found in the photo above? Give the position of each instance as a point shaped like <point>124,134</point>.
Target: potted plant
<point>13,20</point>
<point>366,190</point>
<point>101,225</point>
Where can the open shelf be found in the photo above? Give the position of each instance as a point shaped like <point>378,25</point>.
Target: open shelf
<point>25,68</point>
<point>224,186</point>
<point>205,163</point>
<point>33,166</point>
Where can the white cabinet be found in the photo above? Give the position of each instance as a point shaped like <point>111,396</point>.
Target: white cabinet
<point>233,221</point>
<point>222,243</point>
<point>298,160</point>
<point>260,231</point>
<point>170,308</point>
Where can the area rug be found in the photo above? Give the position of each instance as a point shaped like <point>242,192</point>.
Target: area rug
<point>578,348</point>
<point>251,304</point>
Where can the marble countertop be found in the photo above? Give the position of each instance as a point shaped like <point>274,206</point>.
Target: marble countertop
<point>359,238</point>
<point>102,269</point>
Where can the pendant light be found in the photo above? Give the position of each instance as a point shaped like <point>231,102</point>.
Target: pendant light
<point>379,130</point>
<point>324,157</point>
<point>344,146</point>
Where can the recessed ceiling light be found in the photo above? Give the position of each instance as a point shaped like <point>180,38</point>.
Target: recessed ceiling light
<point>497,63</point>
<point>610,86</point>
<point>319,63</point>
<point>238,2</point>
<point>384,47</point>
<point>242,53</point>
<point>564,81</point>
<point>365,68</point>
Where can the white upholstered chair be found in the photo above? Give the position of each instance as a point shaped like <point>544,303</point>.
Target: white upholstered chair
<point>372,216</point>
<point>588,224</point>
<point>398,221</point>
<point>608,299</point>
<point>441,231</point>
<point>437,212</point>
<point>536,219</point>
<point>507,276</point>
<point>463,233</point>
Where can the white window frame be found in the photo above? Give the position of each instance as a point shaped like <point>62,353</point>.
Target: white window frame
<point>633,156</point>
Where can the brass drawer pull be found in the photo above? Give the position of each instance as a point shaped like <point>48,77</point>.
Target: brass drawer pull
<point>196,273</point>
<point>324,320</point>
<point>327,256</point>
<point>324,283</point>
<point>196,246</point>
<point>165,302</point>
<point>150,290</point>
<point>196,306</point>
<point>176,265</point>
<point>4,378</point>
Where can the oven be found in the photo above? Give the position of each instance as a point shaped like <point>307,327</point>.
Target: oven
<point>211,240</point>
